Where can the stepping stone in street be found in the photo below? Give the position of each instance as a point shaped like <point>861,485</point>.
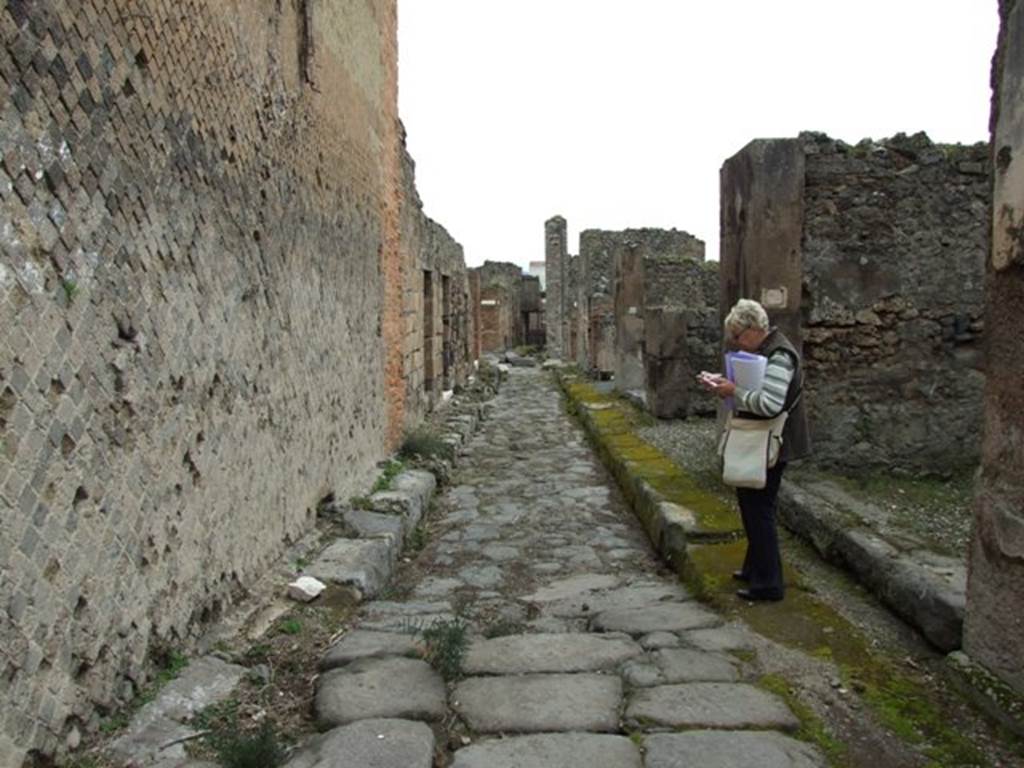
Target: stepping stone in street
<point>539,703</point>
<point>369,688</point>
<point>730,749</point>
<point>378,743</point>
<point>521,654</point>
<point>662,617</point>
<point>710,705</point>
<point>564,750</point>
<point>363,643</point>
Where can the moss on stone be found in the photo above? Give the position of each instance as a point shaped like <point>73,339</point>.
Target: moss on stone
<point>811,729</point>
<point>898,700</point>
<point>613,429</point>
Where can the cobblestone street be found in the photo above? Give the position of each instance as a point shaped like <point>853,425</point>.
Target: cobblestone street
<point>584,651</point>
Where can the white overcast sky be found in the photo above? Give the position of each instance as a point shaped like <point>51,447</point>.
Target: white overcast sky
<point>619,113</point>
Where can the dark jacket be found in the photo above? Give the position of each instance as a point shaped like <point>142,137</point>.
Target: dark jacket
<point>796,437</point>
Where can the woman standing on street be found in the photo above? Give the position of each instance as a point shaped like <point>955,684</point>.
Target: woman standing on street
<point>747,329</point>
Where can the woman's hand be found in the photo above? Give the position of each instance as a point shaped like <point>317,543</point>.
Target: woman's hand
<point>716,384</point>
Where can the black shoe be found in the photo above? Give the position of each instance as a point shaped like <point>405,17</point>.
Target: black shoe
<point>740,576</point>
<point>758,596</point>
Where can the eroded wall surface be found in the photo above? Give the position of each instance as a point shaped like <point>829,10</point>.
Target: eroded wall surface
<point>201,300</point>
<point>994,622</point>
<point>894,245</point>
<point>650,270</point>
<point>501,306</point>
<point>437,316</point>
<point>871,258</point>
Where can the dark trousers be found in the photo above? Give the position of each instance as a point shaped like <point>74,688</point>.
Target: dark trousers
<point>762,565</point>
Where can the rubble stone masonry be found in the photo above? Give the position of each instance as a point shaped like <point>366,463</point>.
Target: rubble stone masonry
<point>871,256</point>
<point>994,622</point>
<point>202,207</point>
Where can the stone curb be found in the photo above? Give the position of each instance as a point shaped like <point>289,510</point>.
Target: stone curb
<point>668,526</point>
<point>906,585</point>
<point>367,560</point>
<point>914,592</point>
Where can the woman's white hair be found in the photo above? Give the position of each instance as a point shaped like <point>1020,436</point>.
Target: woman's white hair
<point>746,314</point>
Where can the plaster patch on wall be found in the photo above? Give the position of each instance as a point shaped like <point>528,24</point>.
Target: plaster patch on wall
<point>774,298</point>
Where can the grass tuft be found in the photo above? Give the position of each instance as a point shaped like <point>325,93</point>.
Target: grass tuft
<point>445,643</point>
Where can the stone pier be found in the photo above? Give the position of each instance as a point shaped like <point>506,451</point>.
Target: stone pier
<point>994,624</point>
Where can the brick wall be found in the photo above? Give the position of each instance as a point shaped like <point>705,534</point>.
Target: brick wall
<point>201,293</point>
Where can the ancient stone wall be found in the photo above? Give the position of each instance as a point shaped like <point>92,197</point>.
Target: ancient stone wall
<point>571,311</point>
<point>994,622</point>
<point>436,312</point>
<point>501,298</point>
<point>201,279</point>
<point>593,291</point>
<point>532,309</point>
<point>682,333</point>
<point>651,269</point>
<point>555,272</point>
<point>871,256</point>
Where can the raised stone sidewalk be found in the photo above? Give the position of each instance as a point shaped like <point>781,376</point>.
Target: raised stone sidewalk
<point>585,652</point>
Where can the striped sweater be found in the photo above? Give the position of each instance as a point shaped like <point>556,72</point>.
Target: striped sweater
<point>771,397</point>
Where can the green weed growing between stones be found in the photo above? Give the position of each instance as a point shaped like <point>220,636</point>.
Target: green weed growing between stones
<point>70,289</point>
<point>361,502</point>
<point>811,727</point>
<point>247,749</point>
<point>391,470</point>
<point>445,643</point>
<point>291,626</point>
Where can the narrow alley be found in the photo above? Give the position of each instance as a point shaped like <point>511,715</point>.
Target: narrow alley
<point>583,644</point>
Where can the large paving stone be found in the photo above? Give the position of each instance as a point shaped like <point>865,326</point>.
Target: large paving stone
<point>362,563</point>
<point>368,688</point>
<point>709,705</point>
<point>729,749</point>
<point>591,602</point>
<point>382,743</point>
<point>552,750</point>
<point>662,617</point>
<point>539,703</point>
<point>519,654</point>
<point>362,643</point>
<point>679,665</point>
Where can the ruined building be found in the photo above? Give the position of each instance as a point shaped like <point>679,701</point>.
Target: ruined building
<point>509,307</point>
<point>212,258</point>
<point>994,622</point>
<point>871,257</point>
<point>662,336</point>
